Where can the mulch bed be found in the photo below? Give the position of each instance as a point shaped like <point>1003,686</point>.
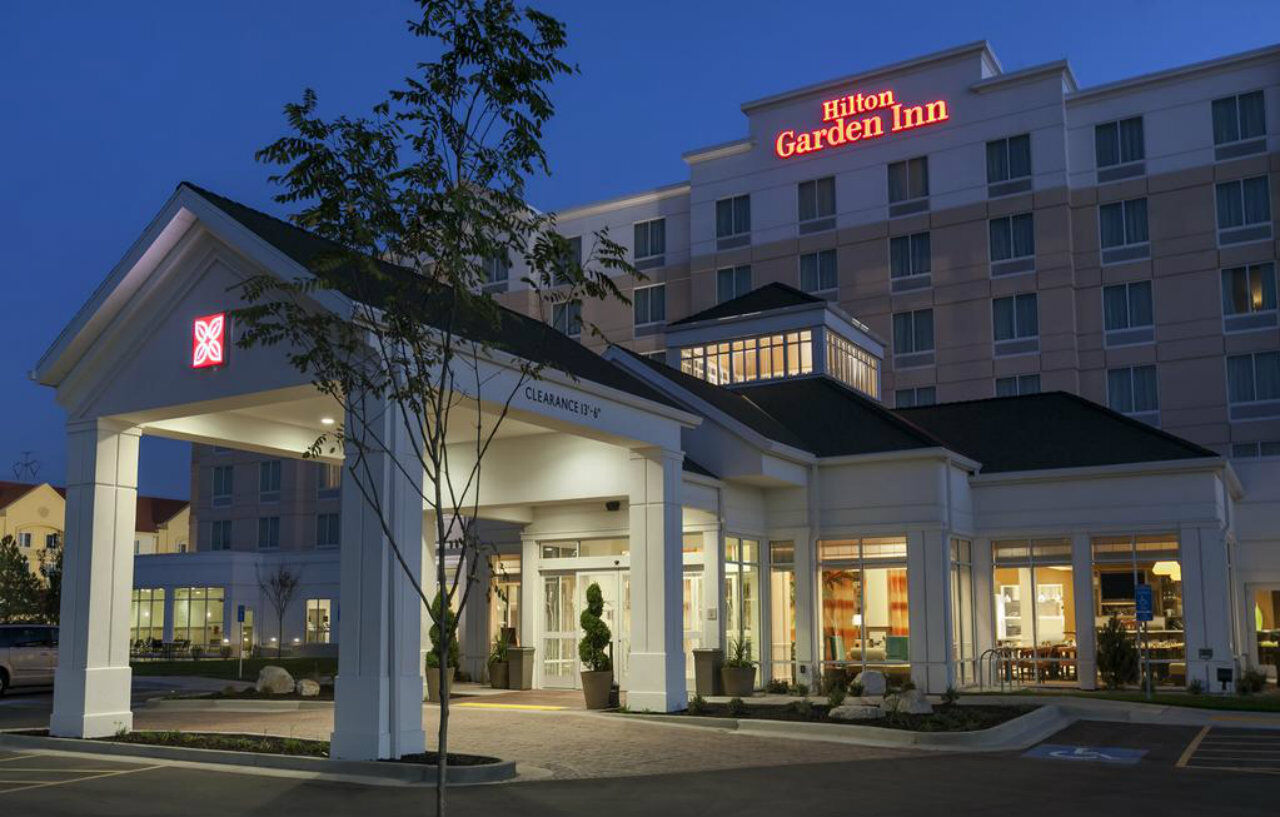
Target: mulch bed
<point>251,694</point>
<point>943,719</point>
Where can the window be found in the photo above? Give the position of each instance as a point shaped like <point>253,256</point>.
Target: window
<point>1127,315</point>
<point>496,271</point>
<point>782,611</point>
<point>1253,378</point>
<point>1008,158</point>
<point>1012,237</point>
<point>567,317</point>
<point>222,484</point>
<point>318,611</point>
<point>913,332</point>
<point>919,396</point>
<point>763,357</point>
<point>197,615</point>
<point>1117,143</point>
<point>269,481</point>
<point>146,619</point>
<point>51,540</point>
<point>1236,118</point>
<point>742,591</point>
<point>909,255</point>
<point>268,533</point>
<point>651,238</point>
<point>1123,223</point>
<point>570,262</point>
<point>1243,202</point>
<point>852,365</point>
<point>1016,317</point>
<point>329,480</point>
<point>1035,608</point>
<point>1017,386</point>
<point>733,216</point>
<point>328,530</point>
<point>1246,290</point>
<point>863,608</point>
<point>24,539</point>
<point>1120,565</point>
<point>220,535</point>
<point>1133,390</point>
<point>650,305</point>
<point>1270,448</point>
<point>732,282</point>
<point>818,271</point>
<point>817,199</point>
<point>963,612</point>
<point>909,179</point>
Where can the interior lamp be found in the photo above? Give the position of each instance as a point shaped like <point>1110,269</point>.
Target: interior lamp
<point>1171,569</point>
<point>857,619</point>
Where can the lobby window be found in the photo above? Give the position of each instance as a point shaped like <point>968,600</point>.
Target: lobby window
<point>328,530</point>
<point>329,480</point>
<point>782,611</point>
<point>220,534</point>
<point>909,179</point>
<point>146,620</point>
<point>919,396</point>
<point>1120,564</point>
<point>817,201</point>
<point>649,305</point>
<point>818,271</point>
<point>1016,317</point>
<point>733,216</point>
<point>963,612</point>
<point>1017,386</point>
<point>732,282</point>
<point>504,598</point>
<point>863,605</point>
<point>764,357</point>
<point>1123,224</point>
<point>1035,614</point>
<point>1244,210</point>
<point>1134,390</point>
<point>1118,143</point>
<point>1269,448</point>
<point>269,481</point>
<point>496,271</point>
<point>318,618</point>
<point>912,332</point>
<point>197,616</point>
<point>222,485</point>
<point>742,592</point>
<point>910,255</point>
<point>1253,385</point>
<point>1249,297</point>
<point>650,239</point>
<point>852,365</point>
<point>1237,118</point>
<point>567,318</point>
<point>1127,315</point>
<point>269,533</point>
<point>1009,158</point>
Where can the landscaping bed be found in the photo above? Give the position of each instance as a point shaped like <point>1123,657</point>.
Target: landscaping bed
<point>229,668</point>
<point>251,694</point>
<point>956,718</point>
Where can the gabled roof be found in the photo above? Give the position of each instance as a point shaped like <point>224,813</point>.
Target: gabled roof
<point>761,299</point>
<point>154,511</point>
<point>1049,430</point>
<point>11,492</point>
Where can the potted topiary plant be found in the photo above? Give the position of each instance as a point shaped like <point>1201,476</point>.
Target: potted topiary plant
<point>441,615</point>
<point>597,668</point>
<point>739,671</point>
<point>498,663</point>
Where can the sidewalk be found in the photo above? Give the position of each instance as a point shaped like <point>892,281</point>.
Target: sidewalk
<point>1100,709</point>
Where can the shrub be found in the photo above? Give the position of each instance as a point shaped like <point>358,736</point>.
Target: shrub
<point>802,708</point>
<point>737,708</point>
<point>1195,687</point>
<point>498,651</point>
<point>835,697</point>
<point>801,690</point>
<point>1251,681</point>
<point>697,705</point>
<point>776,687</point>
<point>739,654</point>
<point>442,615</point>
<point>950,697</point>
<point>856,689</point>
<point>596,636</point>
<point>835,677</point>
<point>1117,655</point>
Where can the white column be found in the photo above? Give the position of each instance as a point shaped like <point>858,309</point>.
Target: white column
<point>983,603</point>
<point>713,587</point>
<point>928,566</point>
<point>91,696</point>
<point>806,608</point>
<point>1206,605</point>
<point>657,680</point>
<point>1086,626</point>
<point>378,691</point>
<point>474,633</point>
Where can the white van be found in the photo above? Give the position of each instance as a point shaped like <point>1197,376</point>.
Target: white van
<point>28,655</point>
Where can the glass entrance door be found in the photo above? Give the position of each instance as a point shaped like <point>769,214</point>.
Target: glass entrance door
<point>559,631</point>
<point>692,617</point>
<point>615,588</point>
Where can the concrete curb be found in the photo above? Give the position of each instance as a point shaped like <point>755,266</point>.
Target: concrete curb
<point>1018,733</point>
<point>234,705</point>
<point>374,772</point>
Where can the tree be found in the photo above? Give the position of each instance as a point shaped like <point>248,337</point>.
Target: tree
<point>415,198</point>
<point>51,572</point>
<point>19,587</point>
<point>595,633</point>
<point>279,586</point>
<point>1117,655</point>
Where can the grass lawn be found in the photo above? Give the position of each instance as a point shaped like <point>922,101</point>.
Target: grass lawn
<point>1265,702</point>
<point>228,668</point>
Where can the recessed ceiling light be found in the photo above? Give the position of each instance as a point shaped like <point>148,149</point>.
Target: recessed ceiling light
<point>327,421</point>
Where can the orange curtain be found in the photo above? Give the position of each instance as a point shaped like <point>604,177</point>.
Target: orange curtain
<point>899,616</point>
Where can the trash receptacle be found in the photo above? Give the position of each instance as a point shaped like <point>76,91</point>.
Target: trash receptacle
<point>706,671</point>
<point>519,667</point>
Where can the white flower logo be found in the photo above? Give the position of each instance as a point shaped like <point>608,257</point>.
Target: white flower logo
<point>207,348</point>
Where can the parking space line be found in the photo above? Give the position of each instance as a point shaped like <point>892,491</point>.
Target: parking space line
<point>1192,746</point>
<point>79,779</point>
<point>17,757</point>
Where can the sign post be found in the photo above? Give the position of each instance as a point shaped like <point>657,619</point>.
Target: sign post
<point>240,621</point>
<point>1143,600</point>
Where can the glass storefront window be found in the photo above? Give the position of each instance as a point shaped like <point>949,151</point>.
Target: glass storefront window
<point>782,611</point>
<point>1035,610</point>
<point>197,616</point>
<point>504,598</point>
<point>559,630</point>
<point>572,548</point>
<point>1120,564</point>
<point>963,627</point>
<point>864,604</point>
<point>318,618</point>
<point>146,622</point>
<point>742,592</point>
<point>1266,623</point>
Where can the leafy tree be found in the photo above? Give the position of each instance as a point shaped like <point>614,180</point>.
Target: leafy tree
<point>596,635</point>
<point>1117,655</point>
<point>51,572</point>
<point>19,587</point>
<point>279,587</point>
<point>434,179</point>
<point>442,620</point>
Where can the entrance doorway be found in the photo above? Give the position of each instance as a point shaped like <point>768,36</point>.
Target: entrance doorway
<point>564,597</point>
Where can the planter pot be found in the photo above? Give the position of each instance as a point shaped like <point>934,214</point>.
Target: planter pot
<point>498,675</point>
<point>706,671</point>
<point>739,682</point>
<point>433,682</point>
<point>596,687</point>
<point>520,668</point>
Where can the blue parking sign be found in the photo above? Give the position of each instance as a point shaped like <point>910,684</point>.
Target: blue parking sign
<point>240,613</point>
<point>1142,599</point>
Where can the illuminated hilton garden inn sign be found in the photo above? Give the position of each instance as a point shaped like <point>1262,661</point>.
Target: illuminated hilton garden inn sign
<point>859,116</point>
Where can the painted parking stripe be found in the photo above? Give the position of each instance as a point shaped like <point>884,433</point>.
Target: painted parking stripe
<point>533,707</point>
<point>47,784</point>
<point>1223,749</point>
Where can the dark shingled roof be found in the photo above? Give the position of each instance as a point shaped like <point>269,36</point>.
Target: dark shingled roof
<point>511,331</point>
<point>154,511</point>
<point>1049,430</point>
<point>834,420</point>
<point>761,299</point>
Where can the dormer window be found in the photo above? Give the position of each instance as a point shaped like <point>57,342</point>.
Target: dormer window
<point>744,360</point>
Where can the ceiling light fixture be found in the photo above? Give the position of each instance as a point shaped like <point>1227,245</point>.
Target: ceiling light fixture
<point>326,421</point>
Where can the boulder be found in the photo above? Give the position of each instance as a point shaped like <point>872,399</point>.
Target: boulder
<point>910,702</point>
<point>855,712</point>
<point>274,681</point>
<point>308,688</point>
<point>873,682</point>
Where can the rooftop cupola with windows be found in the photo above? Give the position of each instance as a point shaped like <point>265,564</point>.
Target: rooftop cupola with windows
<point>776,332</point>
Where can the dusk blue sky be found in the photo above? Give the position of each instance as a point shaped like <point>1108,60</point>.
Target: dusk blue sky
<point>107,106</point>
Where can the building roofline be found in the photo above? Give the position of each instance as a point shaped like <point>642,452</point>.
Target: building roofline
<point>1062,67</point>
<point>665,191</point>
<point>717,151</point>
<point>1171,74</point>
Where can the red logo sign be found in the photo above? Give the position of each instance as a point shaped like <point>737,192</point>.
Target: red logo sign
<point>859,116</point>
<point>208,341</point>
